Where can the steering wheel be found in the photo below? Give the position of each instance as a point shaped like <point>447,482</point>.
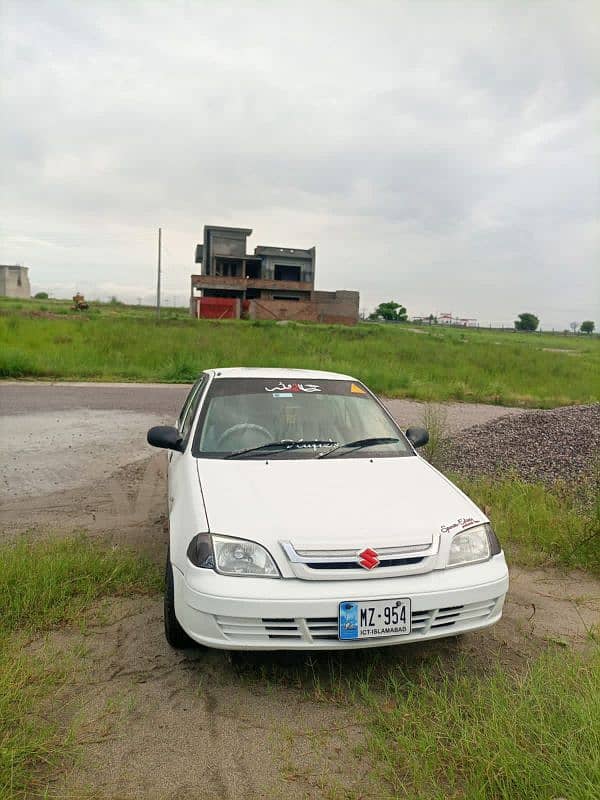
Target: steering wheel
<point>243,426</point>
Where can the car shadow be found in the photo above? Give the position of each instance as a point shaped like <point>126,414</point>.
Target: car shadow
<point>332,675</point>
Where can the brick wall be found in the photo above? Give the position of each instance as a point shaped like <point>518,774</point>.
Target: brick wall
<point>337,308</point>
<point>217,307</point>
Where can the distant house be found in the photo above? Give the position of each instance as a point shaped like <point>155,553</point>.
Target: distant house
<point>14,281</point>
<point>270,283</point>
<point>430,319</point>
<point>461,322</point>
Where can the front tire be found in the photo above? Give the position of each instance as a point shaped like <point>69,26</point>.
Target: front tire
<point>174,633</point>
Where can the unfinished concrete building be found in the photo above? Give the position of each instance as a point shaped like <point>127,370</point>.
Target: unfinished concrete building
<point>14,281</point>
<point>271,283</point>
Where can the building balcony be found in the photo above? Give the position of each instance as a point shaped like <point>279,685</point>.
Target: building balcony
<point>240,284</point>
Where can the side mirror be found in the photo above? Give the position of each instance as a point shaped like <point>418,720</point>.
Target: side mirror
<point>164,436</point>
<point>417,436</point>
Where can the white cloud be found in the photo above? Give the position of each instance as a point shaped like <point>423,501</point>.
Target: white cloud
<point>440,153</point>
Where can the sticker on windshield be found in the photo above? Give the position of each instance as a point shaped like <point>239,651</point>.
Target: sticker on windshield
<point>354,389</point>
<point>294,387</point>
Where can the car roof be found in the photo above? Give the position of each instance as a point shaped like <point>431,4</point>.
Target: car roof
<point>271,372</point>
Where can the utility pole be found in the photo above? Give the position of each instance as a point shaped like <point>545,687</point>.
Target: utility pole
<point>158,279</point>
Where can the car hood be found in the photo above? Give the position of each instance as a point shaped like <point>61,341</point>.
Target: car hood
<point>329,503</point>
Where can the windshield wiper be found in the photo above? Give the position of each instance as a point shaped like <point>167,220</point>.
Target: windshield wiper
<point>284,444</point>
<point>360,443</point>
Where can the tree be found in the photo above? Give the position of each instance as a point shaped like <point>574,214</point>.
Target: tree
<point>587,326</point>
<point>574,326</point>
<point>391,311</point>
<point>41,296</point>
<point>527,322</point>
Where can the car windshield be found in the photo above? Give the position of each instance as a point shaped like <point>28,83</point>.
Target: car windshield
<point>282,419</point>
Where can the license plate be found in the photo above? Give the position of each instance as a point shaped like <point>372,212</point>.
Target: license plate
<point>374,618</point>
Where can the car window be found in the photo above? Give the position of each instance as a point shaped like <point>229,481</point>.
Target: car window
<point>186,418</point>
<point>248,413</point>
<point>186,405</point>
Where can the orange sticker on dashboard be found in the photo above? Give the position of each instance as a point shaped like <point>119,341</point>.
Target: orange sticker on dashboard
<point>356,389</point>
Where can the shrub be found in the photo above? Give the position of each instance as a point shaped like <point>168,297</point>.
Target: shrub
<point>527,322</point>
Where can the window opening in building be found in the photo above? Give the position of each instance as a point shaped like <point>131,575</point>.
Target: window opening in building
<point>286,273</point>
<point>253,269</point>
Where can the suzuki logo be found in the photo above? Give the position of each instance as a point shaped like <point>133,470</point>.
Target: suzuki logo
<point>369,559</point>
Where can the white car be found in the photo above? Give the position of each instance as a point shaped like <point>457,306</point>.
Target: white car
<point>301,517</point>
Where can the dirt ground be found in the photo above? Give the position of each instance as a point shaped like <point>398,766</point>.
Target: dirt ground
<point>155,724</point>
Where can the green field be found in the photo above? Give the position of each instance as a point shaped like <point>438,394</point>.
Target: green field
<point>45,340</point>
<point>110,310</point>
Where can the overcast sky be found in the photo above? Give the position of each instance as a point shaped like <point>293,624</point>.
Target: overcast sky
<point>444,154</point>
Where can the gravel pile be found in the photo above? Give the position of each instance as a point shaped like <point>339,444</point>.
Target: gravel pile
<point>536,445</point>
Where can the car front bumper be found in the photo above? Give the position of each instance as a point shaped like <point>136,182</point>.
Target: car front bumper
<point>234,613</point>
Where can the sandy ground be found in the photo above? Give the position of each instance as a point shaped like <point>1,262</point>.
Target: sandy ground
<point>58,450</point>
<point>161,724</point>
<point>155,724</point>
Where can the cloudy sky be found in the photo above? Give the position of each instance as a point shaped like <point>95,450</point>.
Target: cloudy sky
<point>444,154</point>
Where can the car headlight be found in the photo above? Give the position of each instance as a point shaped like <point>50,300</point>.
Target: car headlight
<point>475,544</point>
<point>230,556</point>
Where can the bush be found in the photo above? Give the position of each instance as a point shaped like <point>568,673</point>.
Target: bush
<point>40,296</point>
<point>15,364</point>
<point>527,322</point>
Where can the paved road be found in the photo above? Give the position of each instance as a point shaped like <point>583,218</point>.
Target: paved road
<point>56,436</point>
<point>37,397</point>
<point>165,400</point>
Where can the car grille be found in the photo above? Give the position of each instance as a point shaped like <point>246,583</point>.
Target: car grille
<point>256,630</point>
<point>342,564</point>
<point>390,562</point>
<point>307,631</point>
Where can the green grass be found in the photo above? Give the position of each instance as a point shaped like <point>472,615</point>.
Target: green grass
<point>64,307</point>
<point>124,343</point>
<point>442,723</point>
<point>541,525</point>
<point>535,736</point>
<point>44,585</point>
